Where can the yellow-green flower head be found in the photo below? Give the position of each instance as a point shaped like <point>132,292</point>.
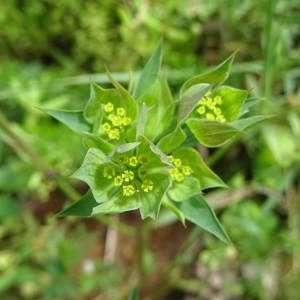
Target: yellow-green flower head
<point>177,162</point>
<point>176,175</point>
<point>186,170</point>
<point>147,185</point>
<point>126,121</point>
<point>106,127</point>
<point>108,107</point>
<point>127,175</point>
<point>218,100</point>
<point>210,116</point>
<point>128,190</point>
<point>118,180</point>
<point>109,172</point>
<point>116,120</point>
<point>121,111</point>
<point>133,161</point>
<point>114,134</point>
<point>171,158</point>
<point>201,110</point>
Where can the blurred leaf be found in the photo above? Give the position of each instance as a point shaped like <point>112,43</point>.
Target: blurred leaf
<point>245,123</point>
<point>199,212</point>
<point>72,119</point>
<point>172,140</point>
<point>149,72</point>
<point>211,133</point>
<point>82,208</point>
<point>133,295</point>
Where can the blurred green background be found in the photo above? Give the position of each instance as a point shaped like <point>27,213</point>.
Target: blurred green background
<point>49,52</point>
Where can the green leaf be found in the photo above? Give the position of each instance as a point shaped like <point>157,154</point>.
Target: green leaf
<point>72,119</point>
<point>191,98</point>
<point>233,100</point>
<point>172,140</point>
<point>160,108</point>
<point>82,208</point>
<point>245,123</point>
<point>117,204</point>
<point>126,147</point>
<point>214,77</point>
<point>201,171</point>
<point>200,213</point>
<point>93,141</point>
<point>168,204</point>
<point>180,191</point>
<point>211,133</point>
<point>151,202</point>
<point>149,72</point>
<point>91,172</point>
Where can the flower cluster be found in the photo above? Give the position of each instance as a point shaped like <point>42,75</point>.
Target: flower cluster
<point>114,121</point>
<point>210,108</point>
<point>180,171</point>
<point>131,177</point>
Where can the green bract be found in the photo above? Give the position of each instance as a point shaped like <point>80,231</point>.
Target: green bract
<point>138,156</point>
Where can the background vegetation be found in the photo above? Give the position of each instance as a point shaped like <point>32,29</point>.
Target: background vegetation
<point>49,50</point>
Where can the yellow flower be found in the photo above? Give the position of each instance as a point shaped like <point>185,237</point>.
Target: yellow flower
<point>118,181</point>
<point>177,162</point>
<point>133,161</point>
<point>108,107</point>
<point>147,185</point>
<point>186,170</point>
<point>210,116</point>
<point>176,175</point>
<point>125,121</point>
<point>109,172</point>
<point>128,190</point>
<point>218,100</point>
<point>106,127</point>
<point>127,175</point>
<point>120,111</point>
<point>114,134</point>
<point>201,110</point>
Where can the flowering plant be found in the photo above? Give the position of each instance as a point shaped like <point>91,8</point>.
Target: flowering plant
<point>138,156</point>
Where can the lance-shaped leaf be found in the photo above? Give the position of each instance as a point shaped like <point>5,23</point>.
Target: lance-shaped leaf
<point>211,133</point>
<point>201,171</point>
<point>200,213</point>
<point>232,101</point>
<point>72,119</point>
<point>149,72</point>
<point>172,140</point>
<point>160,108</point>
<point>93,141</point>
<point>245,123</point>
<point>82,208</point>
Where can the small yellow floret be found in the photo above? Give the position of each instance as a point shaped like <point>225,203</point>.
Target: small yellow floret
<point>133,161</point>
<point>210,116</point>
<point>108,107</point>
<point>128,190</point>
<point>217,111</point>
<point>116,120</point>
<point>186,170</point>
<point>106,127</point>
<point>218,100</point>
<point>121,111</point>
<point>177,162</point>
<point>147,185</point>
<point>109,172</point>
<point>201,110</point>
<point>114,134</point>
<point>118,180</point>
<point>125,121</point>
<point>221,118</point>
<point>176,175</point>
<point>171,158</point>
<point>127,175</point>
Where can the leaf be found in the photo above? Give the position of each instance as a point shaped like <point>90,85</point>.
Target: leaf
<point>180,191</point>
<point>172,140</point>
<point>201,171</point>
<point>191,98</point>
<point>233,100</point>
<point>72,119</point>
<point>200,213</point>
<point>82,208</point>
<point>93,141</point>
<point>126,147</point>
<point>245,123</point>
<point>167,203</point>
<point>214,77</point>
<point>149,72</point>
<point>91,172</point>
<point>211,133</point>
<point>117,204</point>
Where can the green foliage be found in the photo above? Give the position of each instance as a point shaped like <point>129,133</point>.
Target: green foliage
<point>139,162</point>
